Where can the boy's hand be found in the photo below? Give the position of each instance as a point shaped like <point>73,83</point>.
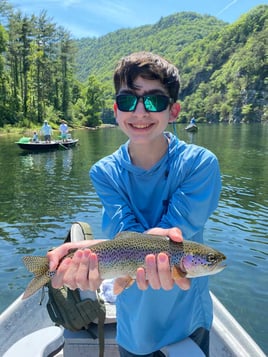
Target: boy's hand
<point>80,271</point>
<point>157,271</point>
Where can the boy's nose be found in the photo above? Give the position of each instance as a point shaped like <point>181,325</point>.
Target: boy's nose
<point>140,107</point>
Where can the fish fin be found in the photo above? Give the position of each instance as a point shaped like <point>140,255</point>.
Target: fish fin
<point>177,273</point>
<point>122,283</point>
<point>35,285</point>
<point>40,268</point>
<point>36,265</point>
<point>135,235</point>
<point>127,234</point>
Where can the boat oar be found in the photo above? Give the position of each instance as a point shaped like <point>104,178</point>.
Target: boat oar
<point>63,146</point>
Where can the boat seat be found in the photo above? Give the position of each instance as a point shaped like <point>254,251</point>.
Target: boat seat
<point>42,343</point>
<point>184,348</point>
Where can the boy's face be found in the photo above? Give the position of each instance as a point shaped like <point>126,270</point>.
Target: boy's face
<point>140,125</point>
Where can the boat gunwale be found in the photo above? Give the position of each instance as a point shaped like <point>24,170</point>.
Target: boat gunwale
<point>228,337</point>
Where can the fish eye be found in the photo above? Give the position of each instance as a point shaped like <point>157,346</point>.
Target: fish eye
<point>211,258</point>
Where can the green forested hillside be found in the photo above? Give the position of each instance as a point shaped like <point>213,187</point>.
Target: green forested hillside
<point>45,74</point>
<point>167,37</point>
<point>223,67</point>
<point>227,76</point>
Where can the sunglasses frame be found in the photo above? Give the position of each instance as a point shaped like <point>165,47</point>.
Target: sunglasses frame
<point>143,97</point>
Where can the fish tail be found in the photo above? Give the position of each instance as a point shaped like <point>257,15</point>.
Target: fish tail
<point>35,285</point>
<point>36,265</point>
<point>40,268</point>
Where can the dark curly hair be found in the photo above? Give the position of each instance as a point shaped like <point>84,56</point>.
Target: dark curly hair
<point>148,66</point>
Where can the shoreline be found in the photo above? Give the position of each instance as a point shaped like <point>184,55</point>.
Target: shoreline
<point>29,131</point>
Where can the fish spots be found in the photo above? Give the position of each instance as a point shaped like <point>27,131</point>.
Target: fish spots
<point>51,274</point>
<point>122,256</point>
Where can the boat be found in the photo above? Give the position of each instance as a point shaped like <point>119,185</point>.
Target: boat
<point>191,128</point>
<point>29,145</point>
<point>26,330</point>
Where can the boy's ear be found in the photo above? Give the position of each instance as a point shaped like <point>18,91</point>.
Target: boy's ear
<point>115,109</point>
<point>174,112</point>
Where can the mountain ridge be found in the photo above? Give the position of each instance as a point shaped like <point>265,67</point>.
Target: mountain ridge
<point>220,82</point>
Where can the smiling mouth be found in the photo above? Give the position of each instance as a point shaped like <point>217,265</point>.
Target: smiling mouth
<point>141,126</point>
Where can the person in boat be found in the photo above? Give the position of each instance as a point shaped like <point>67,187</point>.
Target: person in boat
<point>46,130</point>
<point>157,184</point>
<point>64,130</point>
<point>192,121</point>
<point>35,137</point>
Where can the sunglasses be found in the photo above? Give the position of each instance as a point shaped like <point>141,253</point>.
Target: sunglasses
<point>152,102</point>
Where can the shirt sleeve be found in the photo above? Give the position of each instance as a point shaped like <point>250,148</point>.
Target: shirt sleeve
<point>196,196</point>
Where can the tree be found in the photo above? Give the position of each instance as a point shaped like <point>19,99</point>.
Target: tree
<point>66,51</point>
<point>94,101</point>
<point>4,93</point>
<point>39,67</point>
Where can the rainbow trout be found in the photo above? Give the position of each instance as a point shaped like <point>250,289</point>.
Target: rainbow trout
<point>119,258</point>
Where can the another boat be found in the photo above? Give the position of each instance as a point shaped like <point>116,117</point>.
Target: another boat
<point>26,330</point>
<point>26,144</point>
<point>191,128</point>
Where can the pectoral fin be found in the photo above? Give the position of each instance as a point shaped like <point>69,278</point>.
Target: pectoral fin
<point>122,283</point>
<point>177,273</point>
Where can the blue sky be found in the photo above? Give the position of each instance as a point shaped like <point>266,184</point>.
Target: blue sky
<point>90,18</point>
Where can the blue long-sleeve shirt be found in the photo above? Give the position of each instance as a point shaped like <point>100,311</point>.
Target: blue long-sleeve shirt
<point>181,190</point>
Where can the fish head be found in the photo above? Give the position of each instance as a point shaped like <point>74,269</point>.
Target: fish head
<point>201,264</point>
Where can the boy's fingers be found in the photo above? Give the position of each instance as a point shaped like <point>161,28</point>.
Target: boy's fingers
<point>152,271</point>
<point>175,234</point>
<point>141,279</point>
<point>94,279</point>
<point>57,280</point>
<point>164,271</point>
<point>54,256</point>
<point>83,269</point>
<point>183,283</point>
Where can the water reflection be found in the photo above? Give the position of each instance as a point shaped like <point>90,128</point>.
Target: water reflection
<point>47,161</point>
<point>191,138</point>
<point>42,194</point>
<point>27,162</point>
<point>67,161</point>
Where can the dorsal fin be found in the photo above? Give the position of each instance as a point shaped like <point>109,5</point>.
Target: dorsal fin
<point>127,234</point>
<point>133,235</point>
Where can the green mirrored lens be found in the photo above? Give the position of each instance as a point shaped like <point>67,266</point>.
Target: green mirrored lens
<point>152,103</point>
<point>126,102</point>
<point>155,103</point>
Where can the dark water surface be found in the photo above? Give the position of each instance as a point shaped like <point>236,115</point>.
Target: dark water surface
<point>42,194</point>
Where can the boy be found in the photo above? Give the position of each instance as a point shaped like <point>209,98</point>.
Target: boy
<point>157,184</point>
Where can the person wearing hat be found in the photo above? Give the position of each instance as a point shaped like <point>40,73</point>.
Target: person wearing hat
<point>46,130</point>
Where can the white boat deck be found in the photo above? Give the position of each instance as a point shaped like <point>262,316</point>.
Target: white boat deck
<point>23,317</point>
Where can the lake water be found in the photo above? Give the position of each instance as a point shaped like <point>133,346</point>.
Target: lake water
<point>42,194</point>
